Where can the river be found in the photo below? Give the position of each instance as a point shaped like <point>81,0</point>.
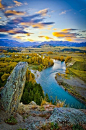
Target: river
<point>50,86</point>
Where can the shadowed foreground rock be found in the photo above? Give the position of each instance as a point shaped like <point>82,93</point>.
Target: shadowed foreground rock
<point>68,116</point>
<point>12,91</point>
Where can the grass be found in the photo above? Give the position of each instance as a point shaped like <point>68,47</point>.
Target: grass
<point>11,121</point>
<point>78,65</point>
<point>50,126</point>
<point>80,74</point>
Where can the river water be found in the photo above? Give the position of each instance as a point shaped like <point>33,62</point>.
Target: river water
<point>50,86</point>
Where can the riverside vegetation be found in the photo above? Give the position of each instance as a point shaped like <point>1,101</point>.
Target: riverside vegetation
<point>9,61</point>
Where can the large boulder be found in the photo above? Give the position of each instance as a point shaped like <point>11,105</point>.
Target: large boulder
<point>13,90</point>
<point>68,116</point>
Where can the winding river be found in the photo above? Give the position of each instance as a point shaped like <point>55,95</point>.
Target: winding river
<point>47,80</point>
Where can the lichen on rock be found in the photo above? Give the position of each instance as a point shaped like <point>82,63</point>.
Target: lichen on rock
<point>13,89</point>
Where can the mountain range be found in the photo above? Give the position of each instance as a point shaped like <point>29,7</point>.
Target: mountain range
<point>14,43</point>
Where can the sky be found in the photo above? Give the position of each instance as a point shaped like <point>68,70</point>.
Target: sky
<point>43,20</point>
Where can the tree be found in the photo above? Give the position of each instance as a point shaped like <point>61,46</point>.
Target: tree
<point>25,97</point>
<point>62,58</point>
<point>4,77</point>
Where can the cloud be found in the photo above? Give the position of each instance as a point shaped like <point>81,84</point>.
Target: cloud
<point>67,35</point>
<point>1,6</point>
<point>30,40</point>
<point>15,31</point>
<point>10,7</point>
<point>13,12</point>
<point>38,25</point>
<point>49,27</point>
<point>64,12</point>
<point>64,34</point>
<point>84,31</point>
<point>55,29</point>
<point>16,23</point>
<point>22,38</point>
<point>82,9</point>
<point>17,3</point>
<point>40,36</point>
<point>69,39</point>
<point>18,37</point>
<point>46,37</point>
<point>68,30</point>
<point>43,12</point>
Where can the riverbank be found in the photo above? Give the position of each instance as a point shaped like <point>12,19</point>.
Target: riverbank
<point>73,85</point>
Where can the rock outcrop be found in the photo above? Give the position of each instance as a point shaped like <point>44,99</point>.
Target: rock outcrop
<point>13,90</point>
<point>68,116</point>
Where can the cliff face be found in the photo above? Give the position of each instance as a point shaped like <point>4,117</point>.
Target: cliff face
<point>12,91</point>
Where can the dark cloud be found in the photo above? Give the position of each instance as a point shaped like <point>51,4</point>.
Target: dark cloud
<point>48,23</point>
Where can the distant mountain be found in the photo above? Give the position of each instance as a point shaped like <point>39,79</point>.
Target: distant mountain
<point>10,43</point>
<point>61,43</point>
<point>14,43</point>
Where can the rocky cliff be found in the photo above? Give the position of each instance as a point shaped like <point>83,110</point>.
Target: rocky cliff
<point>12,91</point>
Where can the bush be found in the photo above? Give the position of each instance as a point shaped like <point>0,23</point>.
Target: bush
<point>68,58</point>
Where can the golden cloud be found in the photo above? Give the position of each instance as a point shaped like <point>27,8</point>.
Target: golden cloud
<point>30,40</point>
<point>14,12</point>
<point>10,6</point>
<point>65,30</point>
<point>1,6</point>
<point>18,37</point>
<point>17,3</point>
<point>58,34</point>
<point>34,25</point>
<point>66,34</point>
<point>40,36</point>
<point>43,12</point>
<point>63,34</point>
<point>69,39</point>
<point>68,30</point>
<point>38,25</point>
<point>27,23</point>
<point>46,37</point>
<point>55,29</point>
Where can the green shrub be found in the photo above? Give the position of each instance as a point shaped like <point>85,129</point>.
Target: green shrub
<point>11,121</point>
